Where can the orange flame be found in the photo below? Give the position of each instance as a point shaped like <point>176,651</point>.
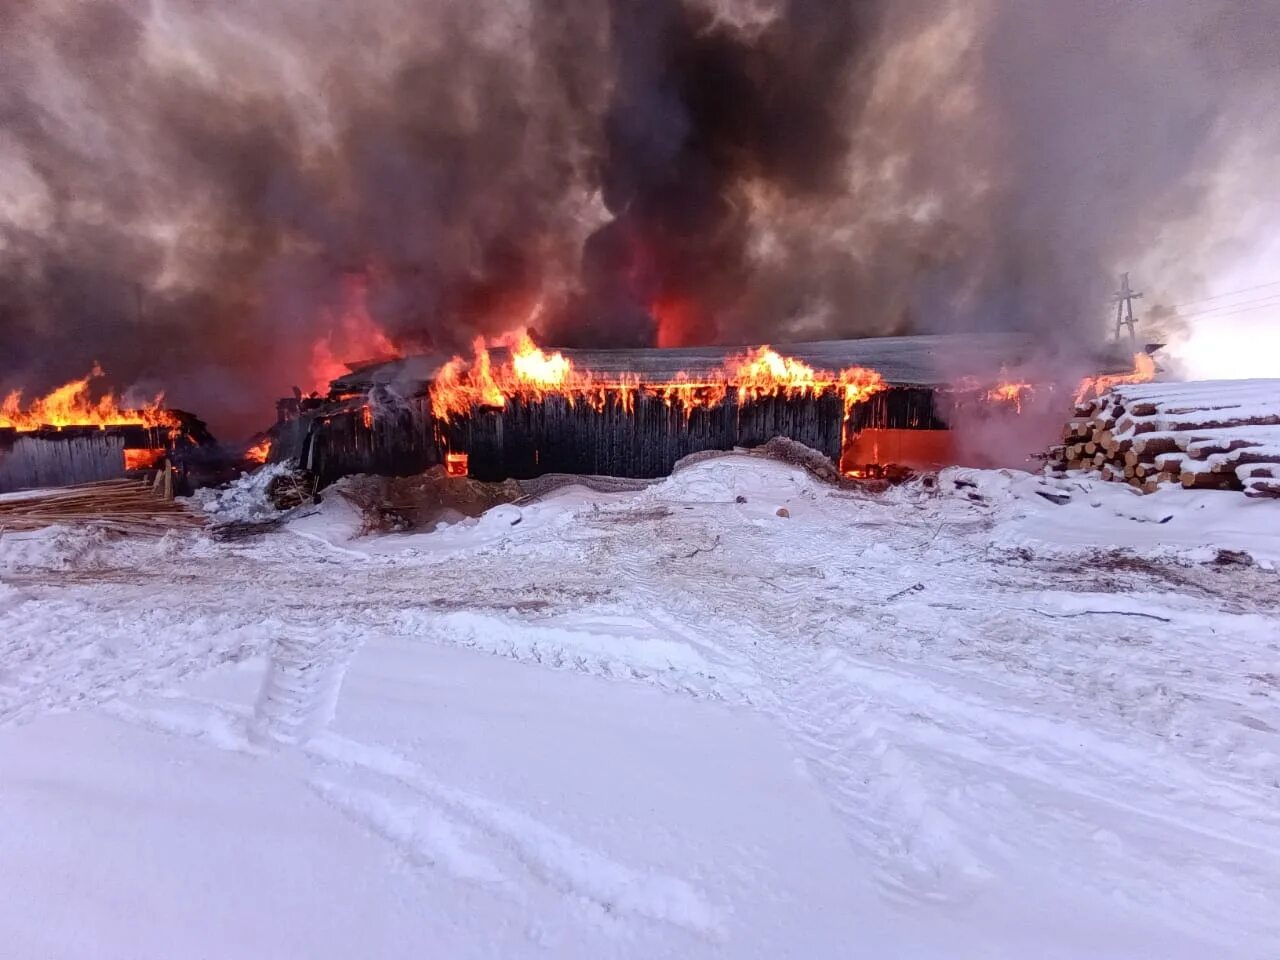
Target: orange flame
<point>259,452</point>
<point>531,374</point>
<point>1010,393</point>
<point>1007,391</point>
<point>143,458</point>
<point>1144,371</point>
<point>71,405</point>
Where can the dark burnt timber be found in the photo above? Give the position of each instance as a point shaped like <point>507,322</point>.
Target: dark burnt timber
<point>56,457</point>
<point>396,436</point>
<point>393,438</point>
<point>525,440</point>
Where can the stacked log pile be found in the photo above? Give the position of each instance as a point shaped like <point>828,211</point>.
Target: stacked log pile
<point>1213,434</point>
<point>123,506</point>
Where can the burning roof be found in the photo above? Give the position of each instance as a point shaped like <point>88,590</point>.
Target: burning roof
<point>72,405</point>
<point>919,361</point>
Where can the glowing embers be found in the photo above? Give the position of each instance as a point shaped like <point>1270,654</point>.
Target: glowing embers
<point>71,405</point>
<point>531,374</point>
<point>455,464</point>
<point>869,453</point>
<point>143,458</point>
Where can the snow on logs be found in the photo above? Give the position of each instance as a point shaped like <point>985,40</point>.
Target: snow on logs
<point>1211,434</point>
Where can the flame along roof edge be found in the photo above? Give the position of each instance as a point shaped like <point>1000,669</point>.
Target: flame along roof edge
<point>927,360</point>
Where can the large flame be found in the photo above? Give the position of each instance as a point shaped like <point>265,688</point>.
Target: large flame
<point>531,374</point>
<point>71,405</point>
<point>1144,370</point>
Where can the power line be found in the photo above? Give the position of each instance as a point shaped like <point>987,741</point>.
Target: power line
<point>1228,293</point>
<point>1272,298</point>
<point>1270,304</point>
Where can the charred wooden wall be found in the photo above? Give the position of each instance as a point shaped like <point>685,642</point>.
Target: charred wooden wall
<point>393,441</point>
<point>898,408</point>
<point>527,439</point>
<point>58,458</point>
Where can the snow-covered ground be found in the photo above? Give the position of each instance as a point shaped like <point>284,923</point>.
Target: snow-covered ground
<point>963,723</point>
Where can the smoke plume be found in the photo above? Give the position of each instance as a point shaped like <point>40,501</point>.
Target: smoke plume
<point>217,197</point>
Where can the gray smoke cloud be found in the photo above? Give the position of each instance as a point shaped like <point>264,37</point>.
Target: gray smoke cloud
<point>213,197</point>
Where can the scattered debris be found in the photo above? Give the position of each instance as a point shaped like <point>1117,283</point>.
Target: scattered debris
<point>914,588</point>
<point>291,488</point>
<point>401,504</point>
<point>243,500</point>
<point>1231,558</point>
<point>1061,499</point>
<point>697,550</point>
<point>246,529</point>
<point>1103,613</point>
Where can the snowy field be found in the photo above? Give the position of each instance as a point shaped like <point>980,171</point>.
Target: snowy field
<point>959,723</point>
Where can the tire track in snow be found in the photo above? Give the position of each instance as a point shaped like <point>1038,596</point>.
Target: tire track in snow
<point>556,859</point>
<point>877,792</point>
<point>916,802</point>
<point>442,825</point>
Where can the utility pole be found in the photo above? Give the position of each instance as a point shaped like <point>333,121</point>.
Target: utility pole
<point>1124,308</point>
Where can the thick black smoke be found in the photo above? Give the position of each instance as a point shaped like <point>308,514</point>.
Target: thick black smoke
<point>218,197</point>
<point>201,191</point>
<point>700,112</point>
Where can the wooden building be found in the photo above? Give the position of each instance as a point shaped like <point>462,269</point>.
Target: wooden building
<point>377,419</point>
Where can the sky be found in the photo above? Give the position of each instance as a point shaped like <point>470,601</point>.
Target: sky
<point>1234,330</point>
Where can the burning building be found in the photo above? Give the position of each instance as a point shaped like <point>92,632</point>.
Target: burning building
<point>516,410</point>
<point>68,436</point>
